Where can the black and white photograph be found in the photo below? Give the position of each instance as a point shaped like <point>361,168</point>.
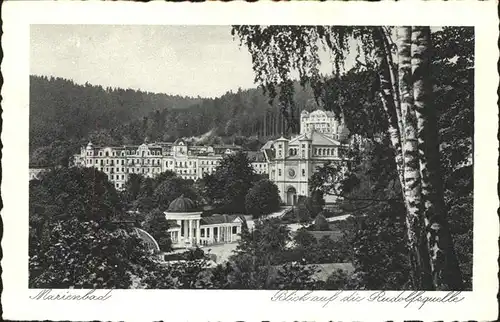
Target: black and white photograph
<point>301,165</point>
<point>251,157</point>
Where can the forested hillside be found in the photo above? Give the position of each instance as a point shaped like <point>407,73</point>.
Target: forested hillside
<point>65,115</point>
<point>61,109</point>
<point>62,113</point>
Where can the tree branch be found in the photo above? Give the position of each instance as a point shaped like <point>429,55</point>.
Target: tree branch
<point>359,208</point>
<point>361,199</point>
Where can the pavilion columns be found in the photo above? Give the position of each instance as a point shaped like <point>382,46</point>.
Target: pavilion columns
<point>218,234</point>
<point>190,231</point>
<point>185,231</point>
<point>198,239</point>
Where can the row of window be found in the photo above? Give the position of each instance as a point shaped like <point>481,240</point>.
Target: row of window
<point>317,119</point>
<point>125,153</point>
<point>122,162</point>
<point>325,151</point>
<point>130,152</point>
<point>130,170</point>
<point>318,125</point>
<point>187,171</point>
<point>234,230</point>
<point>117,177</point>
<point>279,172</point>
<point>153,162</point>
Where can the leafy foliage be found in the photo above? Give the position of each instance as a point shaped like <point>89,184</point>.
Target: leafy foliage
<point>293,276</point>
<point>190,273</point>
<point>320,223</point>
<point>156,225</point>
<point>266,242</point>
<point>145,194</point>
<point>172,188</point>
<point>315,203</point>
<point>100,256</point>
<point>65,193</point>
<point>380,254</point>
<point>71,225</point>
<point>453,71</point>
<point>262,199</point>
<point>228,186</point>
<point>309,250</point>
<point>280,51</point>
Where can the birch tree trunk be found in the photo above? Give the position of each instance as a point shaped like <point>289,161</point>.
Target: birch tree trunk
<point>412,190</point>
<point>388,102</point>
<point>443,262</point>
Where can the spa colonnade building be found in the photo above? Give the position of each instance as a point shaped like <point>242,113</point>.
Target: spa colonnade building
<point>188,229</point>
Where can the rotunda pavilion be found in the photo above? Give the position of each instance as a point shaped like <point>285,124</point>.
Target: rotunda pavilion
<point>184,212</point>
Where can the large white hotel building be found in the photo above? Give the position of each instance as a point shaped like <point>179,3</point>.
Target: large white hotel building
<point>289,162</point>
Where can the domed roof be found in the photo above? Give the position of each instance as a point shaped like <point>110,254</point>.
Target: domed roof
<point>182,204</point>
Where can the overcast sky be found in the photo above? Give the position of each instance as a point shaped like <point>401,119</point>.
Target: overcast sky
<point>184,60</point>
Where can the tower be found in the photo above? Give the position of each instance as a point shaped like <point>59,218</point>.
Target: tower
<point>281,147</point>
<point>304,116</point>
<point>89,154</point>
<point>305,162</point>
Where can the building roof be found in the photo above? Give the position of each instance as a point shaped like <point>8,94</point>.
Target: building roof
<point>321,112</point>
<point>182,204</point>
<point>270,154</point>
<point>218,219</point>
<point>233,147</point>
<point>178,141</point>
<point>267,145</point>
<point>256,156</point>
<point>282,138</point>
<point>316,137</point>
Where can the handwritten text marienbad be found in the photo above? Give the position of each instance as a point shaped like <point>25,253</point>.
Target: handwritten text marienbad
<point>406,298</point>
<point>91,295</point>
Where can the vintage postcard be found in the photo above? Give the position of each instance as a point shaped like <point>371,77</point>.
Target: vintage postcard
<point>242,161</point>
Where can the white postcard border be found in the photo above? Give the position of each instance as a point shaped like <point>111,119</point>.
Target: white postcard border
<point>241,305</point>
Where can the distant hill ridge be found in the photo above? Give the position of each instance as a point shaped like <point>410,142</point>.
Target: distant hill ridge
<point>65,115</point>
